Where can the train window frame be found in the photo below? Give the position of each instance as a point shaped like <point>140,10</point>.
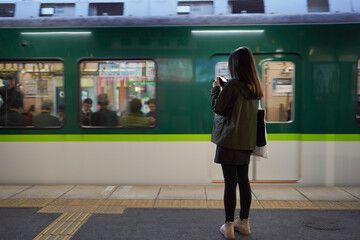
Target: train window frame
<point>293,84</point>
<point>264,101</point>
<point>357,94</point>
<point>41,61</point>
<point>118,127</point>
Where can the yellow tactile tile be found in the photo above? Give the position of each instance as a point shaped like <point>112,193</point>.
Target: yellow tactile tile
<point>77,202</point>
<point>58,208</point>
<point>84,208</point>
<point>64,226</point>
<point>54,209</point>
<point>110,209</point>
<point>219,204</point>
<point>167,204</point>
<point>87,201</point>
<point>275,204</point>
<point>215,204</point>
<point>193,204</point>
<point>302,205</point>
<point>352,205</point>
<point>111,202</point>
<point>255,204</point>
<point>330,205</point>
<point>137,203</point>
<point>29,202</point>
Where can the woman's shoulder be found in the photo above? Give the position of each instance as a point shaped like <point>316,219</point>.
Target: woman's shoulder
<point>241,86</point>
<point>236,82</point>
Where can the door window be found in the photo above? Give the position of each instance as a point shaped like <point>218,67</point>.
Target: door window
<point>278,79</point>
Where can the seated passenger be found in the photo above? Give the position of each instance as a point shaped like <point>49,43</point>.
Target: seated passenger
<point>12,117</point>
<point>28,114</point>
<point>134,118</point>
<point>45,119</point>
<point>86,113</point>
<point>104,117</point>
<point>152,106</point>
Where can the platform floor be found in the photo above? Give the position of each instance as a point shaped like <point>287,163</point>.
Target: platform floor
<point>81,211</point>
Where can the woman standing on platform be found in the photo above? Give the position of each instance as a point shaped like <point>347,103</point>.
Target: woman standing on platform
<point>235,125</point>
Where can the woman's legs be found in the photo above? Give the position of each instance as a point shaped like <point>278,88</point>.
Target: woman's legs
<point>233,175</point>
<point>245,190</point>
<point>229,172</point>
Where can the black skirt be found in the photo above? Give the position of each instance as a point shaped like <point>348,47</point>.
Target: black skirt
<point>232,157</point>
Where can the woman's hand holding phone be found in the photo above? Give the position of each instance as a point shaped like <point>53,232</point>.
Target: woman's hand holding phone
<point>216,82</point>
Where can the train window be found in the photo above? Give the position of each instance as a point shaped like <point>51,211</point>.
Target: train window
<point>318,5</point>
<point>221,69</point>
<point>195,7</point>
<point>278,79</point>
<point>247,6</point>
<point>7,10</point>
<point>106,9</point>
<point>32,94</point>
<point>57,10</point>
<point>358,95</point>
<point>118,93</point>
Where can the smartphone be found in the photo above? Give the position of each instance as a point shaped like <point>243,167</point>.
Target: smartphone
<point>223,81</point>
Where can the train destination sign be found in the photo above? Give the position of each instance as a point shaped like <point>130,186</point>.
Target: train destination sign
<point>120,70</point>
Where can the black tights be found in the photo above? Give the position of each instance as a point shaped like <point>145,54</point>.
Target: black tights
<point>233,175</point>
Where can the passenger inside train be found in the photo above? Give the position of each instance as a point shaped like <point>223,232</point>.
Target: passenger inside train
<point>45,119</point>
<point>86,112</point>
<point>11,108</point>
<point>61,114</point>
<point>104,117</point>
<point>134,116</point>
<point>152,106</point>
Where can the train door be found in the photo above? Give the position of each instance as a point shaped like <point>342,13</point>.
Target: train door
<point>280,76</point>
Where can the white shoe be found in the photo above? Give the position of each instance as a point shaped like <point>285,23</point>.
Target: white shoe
<point>242,226</point>
<point>227,229</point>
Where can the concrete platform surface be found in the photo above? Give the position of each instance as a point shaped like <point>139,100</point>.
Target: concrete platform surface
<point>326,194</point>
<point>214,192</point>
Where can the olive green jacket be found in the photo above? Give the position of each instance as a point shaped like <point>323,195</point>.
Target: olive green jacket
<point>134,120</point>
<point>235,123</point>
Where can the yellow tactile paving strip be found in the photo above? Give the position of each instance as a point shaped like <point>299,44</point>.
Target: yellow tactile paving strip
<point>330,205</point>
<point>90,206</point>
<point>137,203</point>
<point>255,204</point>
<point>167,204</point>
<point>275,205</point>
<point>193,204</point>
<point>215,204</point>
<point>64,226</point>
<point>118,205</point>
<point>302,205</point>
<point>352,205</point>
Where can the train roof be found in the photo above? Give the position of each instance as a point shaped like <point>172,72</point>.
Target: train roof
<point>209,20</point>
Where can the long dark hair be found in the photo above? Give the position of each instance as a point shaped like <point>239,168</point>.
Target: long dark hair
<point>242,66</point>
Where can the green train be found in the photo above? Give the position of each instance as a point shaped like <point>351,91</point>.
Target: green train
<point>151,78</point>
